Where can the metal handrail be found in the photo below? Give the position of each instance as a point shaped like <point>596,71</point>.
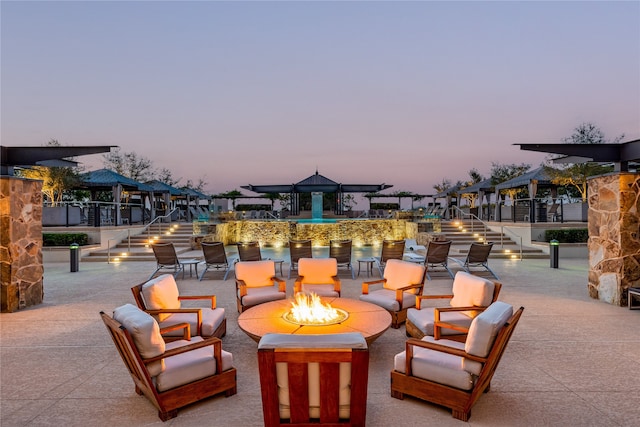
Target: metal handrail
<point>158,218</point>
<point>502,233</point>
<point>460,212</point>
<point>502,229</point>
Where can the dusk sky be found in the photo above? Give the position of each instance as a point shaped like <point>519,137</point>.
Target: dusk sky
<point>236,93</point>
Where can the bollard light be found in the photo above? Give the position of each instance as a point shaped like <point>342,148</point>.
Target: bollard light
<point>74,259</point>
<point>554,246</point>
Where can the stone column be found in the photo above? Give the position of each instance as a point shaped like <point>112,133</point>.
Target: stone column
<point>21,266</point>
<point>614,237</point>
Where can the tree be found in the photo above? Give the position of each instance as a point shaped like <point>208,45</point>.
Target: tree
<point>443,186</point>
<point>273,197</point>
<point>166,176</point>
<point>501,173</point>
<point>474,178</point>
<point>56,180</point>
<point>129,164</point>
<point>199,186</point>
<point>575,175</point>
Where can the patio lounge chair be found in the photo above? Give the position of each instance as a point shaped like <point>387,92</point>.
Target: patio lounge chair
<point>470,294</point>
<point>391,249</point>
<point>341,251</point>
<point>319,379</point>
<point>478,256</point>
<point>167,259</point>
<point>171,375</point>
<point>451,373</point>
<point>215,257</point>
<point>298,249</point>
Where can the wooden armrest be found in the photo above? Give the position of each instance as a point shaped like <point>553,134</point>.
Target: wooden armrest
<point>198,297</point>
<point>211,341</point>
<point>449,309</point>
<point>419,298</point>
<point>365,285</point>
<point>186,334</point>
<point>336,283</point>
<point>196,311</point>
<point>414,342</point>
<point>399,292</point>
<point>241,286</point>
<point>297,285</point>
<point>282,285</point>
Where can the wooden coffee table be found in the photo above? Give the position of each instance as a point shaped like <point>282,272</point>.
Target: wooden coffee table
<point>368,319</point>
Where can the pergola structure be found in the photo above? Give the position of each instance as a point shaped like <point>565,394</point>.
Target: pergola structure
<point>614,206</point>
<point>316,184</point>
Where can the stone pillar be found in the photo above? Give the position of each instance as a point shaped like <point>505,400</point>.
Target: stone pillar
<point>21,266</point>
<point>614,237</point>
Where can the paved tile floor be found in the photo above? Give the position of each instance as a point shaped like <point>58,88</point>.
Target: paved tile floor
<point>572,360</point>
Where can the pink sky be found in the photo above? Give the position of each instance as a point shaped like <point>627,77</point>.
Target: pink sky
<point>405,93</point>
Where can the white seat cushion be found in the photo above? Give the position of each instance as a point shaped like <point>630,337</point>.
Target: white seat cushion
<point>317,271</point>
<point>161,293</point>
<point>190,366</point>
<point>256,274</point>
<point>259,295</point>
<point>386,299</point>
<point>485,328</point>
<point>211,320</point>
<point>402,273</point>
<point>437,366</point>
<point>423,319</point>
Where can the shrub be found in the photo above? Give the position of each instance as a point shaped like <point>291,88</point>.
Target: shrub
<point>64,239</point>
<point>569,235</point>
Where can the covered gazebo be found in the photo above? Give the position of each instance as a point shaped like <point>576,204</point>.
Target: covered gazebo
<point>317,184</point>
<point>108,180</point>
<point>532,180</point>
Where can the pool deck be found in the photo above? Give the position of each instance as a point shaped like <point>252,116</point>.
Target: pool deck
<point>571,361</point>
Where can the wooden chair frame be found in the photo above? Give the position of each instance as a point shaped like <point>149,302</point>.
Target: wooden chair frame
<point>168,402</point>
<point>414,331</point>
<point>459,401</point>
<point>297,285</point>
<point>298,360</point>
<point>400,316</point>
<point>241,290</point>
<point>220,331</point>
<point>215,257</point>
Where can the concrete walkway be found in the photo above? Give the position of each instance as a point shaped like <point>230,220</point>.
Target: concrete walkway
<point>571,362</point>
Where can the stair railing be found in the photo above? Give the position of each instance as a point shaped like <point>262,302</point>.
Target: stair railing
<point>513,236</point>
<point>503,229</point>
<point>157,221</point>
<point>462,215</point>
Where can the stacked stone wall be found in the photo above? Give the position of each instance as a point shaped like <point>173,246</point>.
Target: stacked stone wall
<point>614,236</point>
<point>21,267</point>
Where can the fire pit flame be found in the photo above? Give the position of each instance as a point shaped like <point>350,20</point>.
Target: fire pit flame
<point>309,310</point>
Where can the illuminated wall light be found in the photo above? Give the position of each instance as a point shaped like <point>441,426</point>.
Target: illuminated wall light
<point>124,254</point>
<point>464,230</point>
<point>514,256</point>
<point>116,259</point>
<point>475,234</point>
<point>508,251</point>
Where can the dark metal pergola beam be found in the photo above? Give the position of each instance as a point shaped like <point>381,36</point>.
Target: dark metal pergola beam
<point>44,156</point>
<point>620,154</point>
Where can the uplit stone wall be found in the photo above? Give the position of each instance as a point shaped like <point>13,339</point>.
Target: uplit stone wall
<point>614,238</point>
<point>21,266</point>
<point>278,233</point>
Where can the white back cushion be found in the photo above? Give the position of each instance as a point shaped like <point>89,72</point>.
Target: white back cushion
<point>470,290</point>
<point>143,329</point>
<point>318,271</point>
<point>256,274</point>
<point>402,273</point>
<point>485,328</point>
<point>161,293</point>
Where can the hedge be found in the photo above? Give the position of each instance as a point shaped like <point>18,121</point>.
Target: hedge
<point>569,235</point>
<point>64,239</point>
